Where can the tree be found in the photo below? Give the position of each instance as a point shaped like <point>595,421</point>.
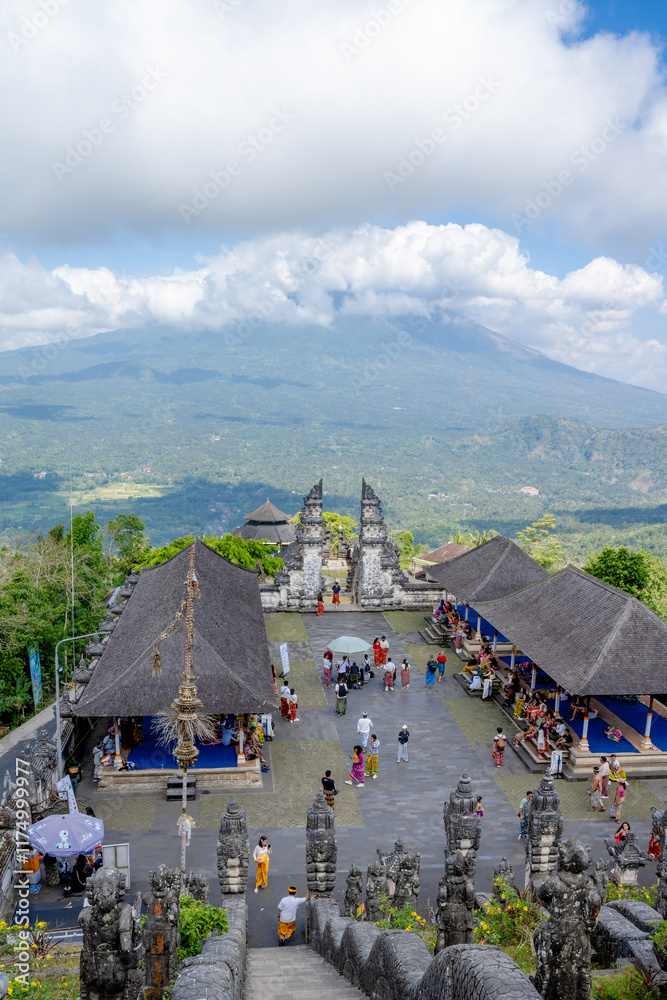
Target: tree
<point>126,532</point>
<point>249,554</point>
<point>85,532</point>
<point>407,550</point>
<point>473,538</point>
<point>540,542</point>
<point>638,573</point>
<point>333,521</point>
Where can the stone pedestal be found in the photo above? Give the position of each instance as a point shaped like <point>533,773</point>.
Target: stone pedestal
<point>321,850</point>
<point>233,850</point>
<point>545,830</point>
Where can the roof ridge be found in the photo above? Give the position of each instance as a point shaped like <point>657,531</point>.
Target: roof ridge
<point>495,566</point>
<point>610,639</point>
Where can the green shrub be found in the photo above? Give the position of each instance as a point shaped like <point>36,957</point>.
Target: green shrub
<point>196,922</point>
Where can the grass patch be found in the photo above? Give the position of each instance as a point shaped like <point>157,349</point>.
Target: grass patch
<point>405,621</point>
<point>305,680</point>
<point>285,626</point>
<point>125,812</point>
<point>478,720</point>
<point>574,800</point>
<point>55,978</point>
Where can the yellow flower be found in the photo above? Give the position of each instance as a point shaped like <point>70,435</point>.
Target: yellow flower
<point>413,914</point>
<point>41,923</point>
<point>34,984</point>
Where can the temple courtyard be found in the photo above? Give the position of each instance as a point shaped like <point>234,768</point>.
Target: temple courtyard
<point>449,732</point>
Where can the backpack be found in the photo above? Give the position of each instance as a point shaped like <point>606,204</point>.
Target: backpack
<point>500,744</point>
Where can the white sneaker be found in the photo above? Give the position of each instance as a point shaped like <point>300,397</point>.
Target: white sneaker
<point>347,782</point>
<point>297,720</point>
<point>374,776</point>
<point>256,890</point>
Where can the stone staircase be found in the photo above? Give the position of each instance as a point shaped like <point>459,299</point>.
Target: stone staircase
<point>294,972</point>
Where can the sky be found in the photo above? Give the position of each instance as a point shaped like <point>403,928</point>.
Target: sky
<point>194,163</point>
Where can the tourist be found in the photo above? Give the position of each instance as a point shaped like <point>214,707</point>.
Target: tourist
<point>80,873</point>
<point>619,799</point>
<point>377,651</point>
<point>89,811</point>
<point>342,668</point>
<point>499,742</point>
<point>341,697</point>
<point>596,792</point>
<point>261,858</point>
<point>405,675</point>
<point>252,750</point>
<point>615,769</point>
<point>442,660</point>
<point>335,595</point>
<point>230,734</point>
<point>458,640</point>
<point>578,708</point>
<point>622,832</point>
<point>326,667</point>
<point>357,770</point>
<point>287,908</point>
<point>98,753</point>
<point>366,667</point>
<point>320,604</point>
<point>403,738</point>
<point>292,705</point>
<point>523,815</point>
<point>528,734</point>
<point>389,675</point>
<point>604,777</point>
<point>431,671</point>
<point>513,685</point>
<point>364,726</point>
<point>372,756</point>
<point>284,700</point>
<point>479,809</point>
<point>475,683</point>
<point>329,787</point>
<point>654,848</point>
<point>384,647</point>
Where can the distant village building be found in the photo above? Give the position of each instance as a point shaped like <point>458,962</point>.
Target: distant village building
<point>267,524</point>
<point>530,490</point>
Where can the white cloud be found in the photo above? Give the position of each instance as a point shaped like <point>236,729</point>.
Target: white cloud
<point>586,319</point>
<point>159,95</point>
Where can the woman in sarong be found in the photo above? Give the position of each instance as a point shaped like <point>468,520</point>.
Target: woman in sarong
<point>292,705</point>
<point>357,770</point>
<point>372,756</point>
<point>498,752</point>
<point>405,675</point>
<point>320,604</point>
<point>377,651</point>
<point>326,667</point>
<point>261,858</point>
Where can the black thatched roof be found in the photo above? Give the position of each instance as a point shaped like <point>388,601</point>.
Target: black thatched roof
<point>267,524</point>
<point>268,513</point>
<point>491,570</point>
<point>591,638</point>
<point>450,550</point>
<point>231,653</point>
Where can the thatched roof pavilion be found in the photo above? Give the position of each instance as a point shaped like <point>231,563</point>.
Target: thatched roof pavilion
<point>231,653</point>
<point>590,637</point>
<point>450,550</point>
<point>267,524</point>
<point>489,571</point>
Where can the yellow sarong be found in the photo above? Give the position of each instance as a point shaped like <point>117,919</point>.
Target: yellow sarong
<point>261,879</point>
<point>286,930</point>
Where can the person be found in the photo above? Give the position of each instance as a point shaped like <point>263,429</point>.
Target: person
<point>458,639</point>
<point>354,675</point>
<point>366,667</point>
<point>98,753</point>
<point>578,707</point>
<point>513,685</point>
<point>252,750</point>
<point>320,604</point>
<point>475,683</point>
<point>654,848</point>
<point>384,647</point>
<point>431,670</point>
<point>442,659</point>
<point>357,769</point>
<point>527,734</point>
<point>616,735</point>
<point>604,777</point>
<point>341,669</point>
<point>523,815</point>
<point>622,832</point>
<point>615,769</point>
<point>619,799</point>
<point>364,726</point>
<point>341,698</point>
<point>372,756</point>
<point>596,792</point>
<point>377,651</point>
<point>287,909</point>
<point>81,871</point>
<point>389,675</point>
<point>330,790</point>
<point>335,595</point>
<point>292,705</point>
<point>405,675</point>
<point>261,858</point>
<point>403,738</point>
<point>479,808</point>
<point>498,752</point>
<point>89,812</point>
<point>326,667</point>
<point>230,735</point>
<point>109,743</point>
<point>564,738</point>
<point>284,700</point>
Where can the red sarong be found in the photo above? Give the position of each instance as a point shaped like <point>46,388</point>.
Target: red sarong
<point>320,608</point>
<point>284,708</point>
<point>335,599</point>
<point>377,654</point>
<point>292,711</point>
<point>383,654</point>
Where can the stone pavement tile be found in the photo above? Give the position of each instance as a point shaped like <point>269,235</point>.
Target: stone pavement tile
<point>284,626</point>
<point>313,724</point>
<point>125,812</point>
<point>405,621</point>
<point>297,768</point>
<point>574,800</point>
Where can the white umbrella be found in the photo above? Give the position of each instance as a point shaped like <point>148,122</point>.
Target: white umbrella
<point>349,645</point>
<point>66,834</point>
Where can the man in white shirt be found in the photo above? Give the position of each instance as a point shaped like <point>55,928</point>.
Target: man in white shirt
<point>604,777</point>
<point>287,908</point>
<point>364,726</point>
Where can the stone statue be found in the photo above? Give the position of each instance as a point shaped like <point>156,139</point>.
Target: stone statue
<point>545,830</point>
<point>563,941</point>
<point>628,859</point>
<point>401,871</point>
<point>503,875</point>
<point>376,890</point>
<point>462,824</point>
<point>326,550</point>
<point>197,886</point>
<point>661,897</point>
<point>659,821</point>
<point>321,850</point>
<point>160,931</point>
<point>354,892</point>
<point>601,877</point>
<point>342,542</point>
<point>454,918</point>
<point>233,850</point>
<point>112,947</point>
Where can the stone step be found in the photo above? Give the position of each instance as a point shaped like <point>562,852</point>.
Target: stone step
<point>295,972</point>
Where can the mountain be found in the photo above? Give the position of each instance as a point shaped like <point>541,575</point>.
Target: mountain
<point>202,423</point>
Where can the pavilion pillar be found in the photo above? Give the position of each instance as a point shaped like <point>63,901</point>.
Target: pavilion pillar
<point>513,660</point>
<point>240,756</point>
<point>583,742</point>
<point>118,760</point>
<point>557,703</point>
<point>495,640</point>
<point>533,678</point>
<point>646,743</point>
<point>467,611</point>
<point>478,636</point>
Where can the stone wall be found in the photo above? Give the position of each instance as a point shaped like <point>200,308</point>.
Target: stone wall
<point>623,931</point>
<point>217,974</point>
<point>397,965</point>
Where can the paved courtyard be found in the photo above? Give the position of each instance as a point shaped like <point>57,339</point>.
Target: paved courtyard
<point>448,732</point>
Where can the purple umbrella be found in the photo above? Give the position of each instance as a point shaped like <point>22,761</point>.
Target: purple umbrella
<point>71,833</point>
